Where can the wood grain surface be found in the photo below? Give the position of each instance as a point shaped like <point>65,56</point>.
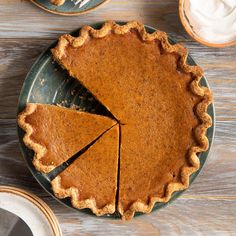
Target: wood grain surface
<point>209,206</point>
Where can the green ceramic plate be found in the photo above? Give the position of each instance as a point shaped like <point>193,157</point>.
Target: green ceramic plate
<point>46,82</point>
<point>68,8</point>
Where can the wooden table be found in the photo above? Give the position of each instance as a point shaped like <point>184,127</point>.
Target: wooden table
<point>209,206</point>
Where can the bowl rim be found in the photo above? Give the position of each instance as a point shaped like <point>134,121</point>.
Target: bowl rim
<point>68,13</point>
<point>195,36</point>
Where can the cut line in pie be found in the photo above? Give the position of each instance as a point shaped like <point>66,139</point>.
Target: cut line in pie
<point>91,180</point>
<point>56,171</point>
<point>147,85</point>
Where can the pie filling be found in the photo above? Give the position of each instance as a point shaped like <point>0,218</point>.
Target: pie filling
<point>147,85</point>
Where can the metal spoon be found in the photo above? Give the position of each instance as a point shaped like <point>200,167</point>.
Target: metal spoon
<point>80,2</point>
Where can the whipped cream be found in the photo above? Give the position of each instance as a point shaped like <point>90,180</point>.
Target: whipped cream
<point>212,20</point>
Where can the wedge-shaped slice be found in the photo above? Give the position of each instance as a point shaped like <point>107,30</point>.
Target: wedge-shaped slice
<point>57,2</point>
<point>56,133</point>
<point>91,180</point>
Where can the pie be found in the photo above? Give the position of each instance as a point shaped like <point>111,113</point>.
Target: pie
<point>91,181</point>
<point>155,96</point>
<point>148,87</point>
<point>57,2</point>
<point>56,133</point>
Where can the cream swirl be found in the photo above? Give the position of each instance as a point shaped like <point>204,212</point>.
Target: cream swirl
<point>212,20</point>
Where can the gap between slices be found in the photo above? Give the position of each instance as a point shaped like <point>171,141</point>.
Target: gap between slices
<point>145,83</point>
<point>118,168</point>
<point>57,133</point>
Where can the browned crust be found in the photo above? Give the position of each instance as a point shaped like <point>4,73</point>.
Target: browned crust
<point>88,32</point>
<point>39,150</point>
<point>73,193</point>
<point>57,2</point>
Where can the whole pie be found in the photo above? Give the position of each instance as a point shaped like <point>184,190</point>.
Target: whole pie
<point>155,96</point>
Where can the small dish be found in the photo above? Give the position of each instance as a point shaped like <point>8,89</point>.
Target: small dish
<point>32,210</point>
<point>192,34</point>
<point>68,8</point>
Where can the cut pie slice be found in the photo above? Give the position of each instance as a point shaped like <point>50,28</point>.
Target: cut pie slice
<point>147,85</point>
<point>91,180</point>
<point>56,133</point>
<point>58,2</point>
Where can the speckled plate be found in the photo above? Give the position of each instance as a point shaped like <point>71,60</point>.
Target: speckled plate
<point>68,8</point>
<point>46,82</point>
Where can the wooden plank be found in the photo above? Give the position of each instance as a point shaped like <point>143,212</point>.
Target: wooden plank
<point>15,24</point>
<point>207,207</point>
<point>18,55</point>
<point>183,218</point>
<point>16,58</point>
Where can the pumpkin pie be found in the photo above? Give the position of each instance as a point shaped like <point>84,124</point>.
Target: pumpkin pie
<point>155,95</point>
<point>91,180</point>
<point>57,133</point>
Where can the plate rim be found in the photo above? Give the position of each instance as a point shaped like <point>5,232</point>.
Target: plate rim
<point>37,202</point>
<point>63,13</point>
<point>38,176</point>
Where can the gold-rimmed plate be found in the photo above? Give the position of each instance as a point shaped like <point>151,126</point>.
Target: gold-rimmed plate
<point>31,209</point>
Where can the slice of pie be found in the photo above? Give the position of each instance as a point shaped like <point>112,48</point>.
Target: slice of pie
<point>57,2</point>
<point>91,180</point>
<point>147,85</point>
<point>57,133</point>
